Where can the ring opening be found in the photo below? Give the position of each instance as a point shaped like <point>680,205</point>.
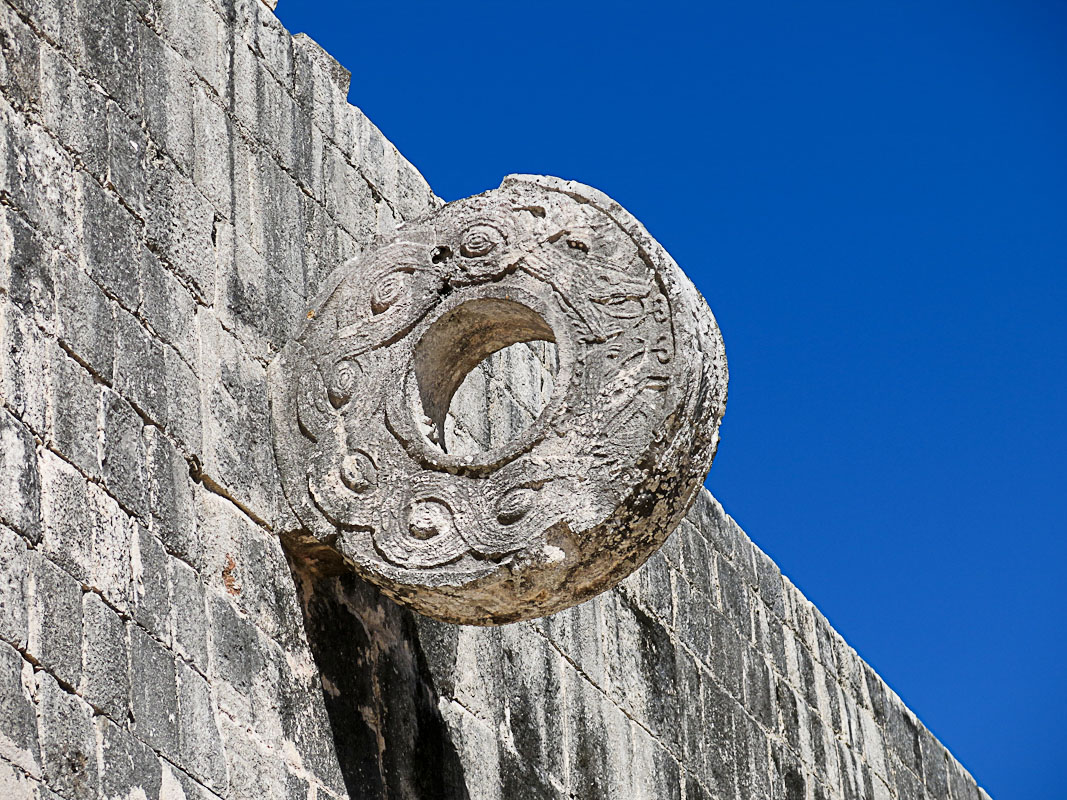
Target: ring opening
<point>485,371</point>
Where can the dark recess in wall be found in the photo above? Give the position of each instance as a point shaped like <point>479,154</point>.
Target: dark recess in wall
<point>379,693</point>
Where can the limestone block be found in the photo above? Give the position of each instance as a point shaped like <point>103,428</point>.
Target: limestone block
<point>13,612</point>
<point>20,490</point>
<point>74,111</point>
<point>962,785</point>
<point>140,373</point>
<point>413,196</point>
<point>84,322</point>
<point>40,178</point>
<point>288,131</point>
<point>167,307</point>
<point>17,785</point>
<point>195,29</point>
<point>18,720</point>
<point>199,742</point>
<point>112,532</point>
<point>759,696</point>
<point>178,785</point>
<point>124,458</point>
<point>254,772</point>
<point>247,563</point>
<point>320,86</point>
<point>131,768</point>
<point>154,692</point>
<point>75,402</point>
<point>696,561</point>
<point>236,657</point>
<point>20,60</point>
<point>935,769</point>
<point>190,609</point>
<point>770,583</point>
<point>179,225</point>
<point>24,361</point>
<point>184,412</point>
<point>167,80</point>
<point>907,783</point>
<point>349,199</point>
<point>170,498</point>
<point>68,740</point>
<point>150,603</point>
<point>66,517</point>
<point>267,37</point>
<point>902,735</point>
<point>255,300</point>
<point>55,619</point>
<point>577,499</point>
<point>275,203</point>
<point>725,655</point>
<point>27,269</point>
<point>652,589</point>
<point>127,158</point>
<point>108,48</point>
<point>105,681</point>
<point>532,670</point>
<point>213,159</point>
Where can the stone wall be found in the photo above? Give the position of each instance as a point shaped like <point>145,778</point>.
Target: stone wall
<point>178,177</point>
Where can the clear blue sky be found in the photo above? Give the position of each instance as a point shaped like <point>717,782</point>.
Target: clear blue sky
<point>873,199</point>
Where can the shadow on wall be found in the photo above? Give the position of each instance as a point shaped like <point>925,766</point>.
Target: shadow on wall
<point>390,738</point>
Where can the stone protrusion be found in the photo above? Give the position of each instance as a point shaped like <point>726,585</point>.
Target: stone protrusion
<point>561,509</point>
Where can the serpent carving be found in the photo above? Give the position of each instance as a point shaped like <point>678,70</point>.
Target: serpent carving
<point>567,507</point>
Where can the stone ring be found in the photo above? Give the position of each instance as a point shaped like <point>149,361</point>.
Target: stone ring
<point>560,510</point>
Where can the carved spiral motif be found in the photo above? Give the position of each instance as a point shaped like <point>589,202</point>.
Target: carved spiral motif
<point>387,291</point>
<point>479,240</point>
<point>565,508</point>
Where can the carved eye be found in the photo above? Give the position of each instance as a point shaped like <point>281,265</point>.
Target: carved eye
<point>480,240</point>
<point>358,472</point>
<point>429,518</point>
<point>345,377</point>
<point>514,505</point>
<point>621,306</point>
<point>389,289</point>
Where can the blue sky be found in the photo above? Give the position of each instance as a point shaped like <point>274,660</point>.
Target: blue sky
<point>873,199</point>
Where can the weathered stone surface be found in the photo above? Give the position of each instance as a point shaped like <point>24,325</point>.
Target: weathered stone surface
<point>55,618</point>
<point>13,611</point>
<point>132,769</point>
<point>561,510</point>
<point>20,491</point>
<point>18,720</point>
<point>68,740</point>
<point>105,681</point>
<point>178,176</point>
<point>154,692</point>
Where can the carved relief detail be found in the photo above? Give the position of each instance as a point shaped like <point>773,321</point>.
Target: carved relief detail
<point>570,505</point>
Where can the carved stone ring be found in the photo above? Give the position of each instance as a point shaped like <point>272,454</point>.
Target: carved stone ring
<point>570,505</point>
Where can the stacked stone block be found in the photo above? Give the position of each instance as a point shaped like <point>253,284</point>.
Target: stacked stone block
<point>177,180</point>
